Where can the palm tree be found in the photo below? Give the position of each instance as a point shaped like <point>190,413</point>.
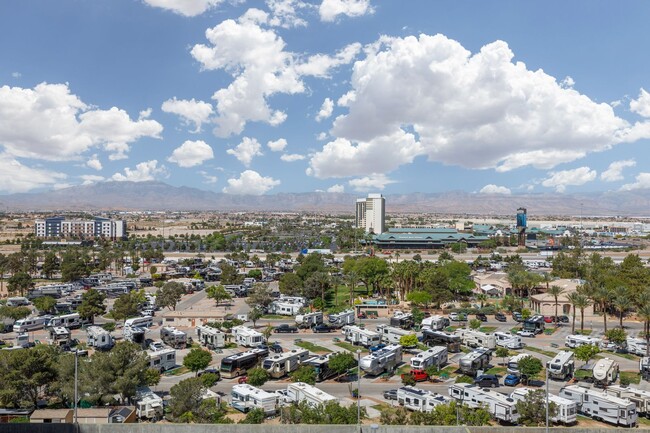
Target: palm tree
<point>644,313</point>
<point>603,297</point>
<point>622,302</point>
<point>582,302</point>
<point>574,300</point>
<point>352,279</point>
<point>482,298</point>
<point>555,291</point>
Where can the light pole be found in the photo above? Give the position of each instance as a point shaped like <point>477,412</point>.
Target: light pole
<point>359,389</point>
<point>547,399</point>
<point>76,383</point>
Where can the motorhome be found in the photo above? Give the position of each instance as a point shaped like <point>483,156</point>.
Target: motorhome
<point>391,334</point>
<point>341,319</point>
<point>99,338</point>
<point>173,337</point>
<point>134,334</point>
<point>210,337</point>
<point>637,346</point>
<point>561,366</point>
<point>421,400</point>
<point>300,391</point>
<point>284,308</point>
<point>601,406</point>
<point>321,366</point>
<point>402,320</point>
<point>309,320</point>
<point>475,361</point>
<point>17,301</point>
<point>509,341</point>
<point>383,360</point>
<point>247,337</point>
<point>435,356</point>
<point>282,364</point>
<point>640,397</point>
<point>148,405</point>
<point>605,371</point>
<point>441,338</point>
<point>644,367</point>
<point>435,323</point>
<point>534,324</point>
<point>70,321</point>
<point>31,323</point>
<point>567,410</point>
<point>360,336</point>
<point>59,336</point>
<point>239,363</point>
<point>513,363</point>
<point>245,397</point>
<point>162,360</point>
<point>54,291</point>
<point>574,341</point>
<point>140,322</point>
<point>474,338</point>
<point>500,406</point>
<point>299,300</point>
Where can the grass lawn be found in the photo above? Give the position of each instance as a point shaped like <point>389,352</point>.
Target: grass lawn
<point>176,371</point>
<point>463,378</point>
<point>487,328</point>
<point>231,346</point>
<point>449,370</point>
<point>351,347</point>
<point>515,329</point>
<point>631,376</point>
<point>465,349</point>
<point>627,356</point>
<point>312,347</point>
<point>583,332</point>
<point>274,316</point>
<point>452,328</point>
<point>582,374</point>
<point>501,371</point>
<point>342,297</point>
<point>542,351</point>
<point>643,421</point>
<point>403,369</point>
<point>550,331</point>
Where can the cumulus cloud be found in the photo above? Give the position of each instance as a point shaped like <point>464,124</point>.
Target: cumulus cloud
<point>190,111</point>
<point>291,157</point>
<point>642,182</point>
<point>277,145</point>
<point>494,189</point>
<point>641,105</point>
<point>144,171</point>
<point>376,181</point>
<point>561,179</point>
<point>336,188</point>
<point>246,150</point>
<point>322,136</point>
<point>325,110</point>
<point>188,8</point>
<point>94,163</point>
<point>255,56</point>
<point>284,13</point>
<point>191,153</point>
<point>90,179</point>
<point>250,183</point>
<point>208,178</point>
<point>615,170</point>
<point>329,10</point>
<point>17,177</point>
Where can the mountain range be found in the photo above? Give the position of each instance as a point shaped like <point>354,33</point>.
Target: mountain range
<point>137,196</point>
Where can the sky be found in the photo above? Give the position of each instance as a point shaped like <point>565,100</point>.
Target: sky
<point>355,96</point>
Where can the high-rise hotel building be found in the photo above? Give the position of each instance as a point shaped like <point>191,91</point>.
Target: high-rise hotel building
<point>371,213</point>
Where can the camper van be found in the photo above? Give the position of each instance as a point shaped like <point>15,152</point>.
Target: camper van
<point>210,337</point>
<point>99,338</point>
<point>300,391</point>
<point>284,308</point>
<point>383,360</point>
<point>417,399</point>
<point>309,320</point>
<point>244,398</point>
<point>402,320</point>
<point>341,319</point>
<point>247,337</point>
<point>31,323</point>
<point>501,407</point>
<point>561,366</point>
<point>474,361</point>
<point>600,405</point>
<point>435,356</point>
<point>239,363</point>
<point>162,360</point>
<point>70,321</point>
<point>391,334</point>
<point>360,336</point>
<point>567,410</point>
<point>284,363</point>
<point>605,371</point>
<point>574,341</point>
<point>509,341</point>
<point>637,346</point>
<point>441,338</point>
<point>472,338</point>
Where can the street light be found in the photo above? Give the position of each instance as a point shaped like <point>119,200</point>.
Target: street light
<point>359,389</point>
<point>76,383</point>
<point>547,399</point>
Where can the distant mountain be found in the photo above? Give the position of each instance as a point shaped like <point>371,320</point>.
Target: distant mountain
<point>131,196</point>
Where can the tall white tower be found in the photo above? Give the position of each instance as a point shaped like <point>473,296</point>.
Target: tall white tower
<point>371,213</point>
<point>360,214</point>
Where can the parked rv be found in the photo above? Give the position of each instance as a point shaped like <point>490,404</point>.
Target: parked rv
<point>321,366</point>
<point>436,356</point>
<point>383,360</point>
<point>391,334</point>
<point>574,341</point>
<point>173,337</point>
<point>282,364</point>
<point>148,405</point>
<point>300,391</point>
<point>513,363</point>
<point>474,361</point>
<point>30,323</point>
<point>162,360</point>
<point>402,320</point>
<point>361,336</point>
<point>509,341</point>
<point>535,324</point>
<point>640,397</point>
<point>440,338</point>
<point>245,397</point>
<point>474,338</point>
<point>247,337</point>
<point>421,400</point>
<point>210,337</point>
<point>605,371</point>
<point>99,338</point>
<point>70,321</point>
<point>59,336</point>
<point>501,407</point>
<point>435,323</point>
<point>601,406</point>
<point>309,320</point>
<point>239,363</point>
<point>561,366</point>
<point>341,319</point>
<point>567,410</point>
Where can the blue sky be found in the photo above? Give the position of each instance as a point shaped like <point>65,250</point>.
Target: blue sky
<point>261,97</point>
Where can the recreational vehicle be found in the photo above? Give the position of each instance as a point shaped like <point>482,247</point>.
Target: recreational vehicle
<point>140,322</point>
<point>637,346</point>
<point>247,337</point>
<point>605,371</point>
<point>402,320</point>
<point>310,319</point>
<point>239,363</point>
<point>210,337</point>
<point>435,356</point>
<point>535,324</point>
<point>441,338</point>
<point>30,323</point>
<point>567,410</point>
<point>360,336</point>
<point>509,341</point>
<point>134,334</point>
<point>561,366</point>
<point>501,407</point>
<point>17,301</point>
<point>321,366</point>
<point>644,367</point>
<point>301,391</point>
<point>435,323</point>
<point>472,338</point>
<point>383,360</point>
<point>59,336</point>
<point>574,341</point>
<point>162,360</point>
<point>391,334</point>
<point>173,337</point>
<point>640,397</point>
<point>420,400</point>
<point>472,362</point>
<point>341,319</point>
<point>513,363</point>
<point>245,397</point>
<point>284,308</point>
<point>601,406</point>
<point>70,321</point>
<point>282,364</point>
<point>148,405</point>
<point>99,338</point>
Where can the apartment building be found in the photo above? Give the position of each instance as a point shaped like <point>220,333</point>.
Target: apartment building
<point>98,227</point>
<point>371,213</point>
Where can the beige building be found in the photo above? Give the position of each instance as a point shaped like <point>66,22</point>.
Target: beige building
<point>193,318</point>
<point>95,415</point>
<point>52,416</point>
<point>544,303</point>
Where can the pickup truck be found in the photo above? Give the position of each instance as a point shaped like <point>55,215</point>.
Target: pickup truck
<point>285,328</point>
<point>418,375</point>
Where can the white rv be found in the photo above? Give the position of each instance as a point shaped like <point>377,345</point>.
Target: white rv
<point>419,399</point>
<point>162,360</point>
<point>139,322</point>
<point>341,319</point>
<point>99,338</point>
<point>574,341</point>
<point>509,341</point>
<point>500,406</point>
<point>134,334</point>
<point>280,365</point>
<point>392,334</point>
<point>210,337</point>
<point>436,323</point>
<point>247,337</point>
<point>284,308</point>
<point>301,391</point>
<point>640,397</point>
<point>361,336</point>
<point>321,366</point>
<point>17,301</point>
<point>70,321</point>
<point>435,356</point>
<point>472,338</point>
<point>383,360</point>
<point>601,406</point>
<point>30,323</point>
<point>513,363</point>
<point>309,319</point>
<point>605,371</point>
<point>244,397</point>
<point>637,346</point>
<point>644,367</point>
<point>59,336</point>
<point>148,405</point>
<point>567,410</point>
<point>173,337</point>
<point>472,362</point>
<point>402,320</point>
<point>561,366</point>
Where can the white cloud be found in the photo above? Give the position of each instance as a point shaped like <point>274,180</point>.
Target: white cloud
<point>246,150</point>
<point>641,105</point>
<point>642,182</point>
<point>346,99</point>
<point>89,179</point>
<point>208,178</point>
<point>615,170</point>
<point>320,65</point>
<point>325,110</point>
<point>336,188</point>
<point>291,157</point>
<point>94,163</point>
<point>17,177</point>
<point>330,9</point>
<point>376,181</point>
<point>561,179</point>
<point>494,189</point>
<point>49,123</point>
<point>191,153</point>
<point>188,8</point>
<point>277,145</point>
<point>144,171</point>
<point>284,13</point>
<point>191,111</point>
<point>16,74</point>
<point>568,82</point>
<point>250,183</point>
<point>322,136</point>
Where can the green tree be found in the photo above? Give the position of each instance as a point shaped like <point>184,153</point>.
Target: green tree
<point>555,291</point>
<point>408,380</point>
<point>259,297</point>
<point>586,352</point>
<point>210,379</point>
<point>532,409</point>
<point>254,315</point>
<point>73,266</point>
<point>50,264</point>
<point>229,275</point>
<point>529,367</point>
<point>19,283</point>
<point>290,284</point>
<point>474,324</point>
<point>25,373</point>
<point>304,373</point>
<point>622,302</point>
<point>417,314</point>
<point>186,397</point>
<point>45,304</point>
<point>152,377</point>
<point>197,359</point>
<point>254,416</point>
<point>255,273</point>
<point>420,297</point>
<point>15,313</point>
<point>341,362</point>
<point>92,304</point>
<point>410,340</point>
<point>170,295</point>
<point>502,353</point>
<point>126,305</point>
<point>617,336</point>
<point>218,293</point>
<point>257,376</point>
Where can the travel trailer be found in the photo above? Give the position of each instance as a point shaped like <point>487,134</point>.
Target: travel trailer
<point>391,334</point>
<point>644,367</point>
<point>321,366</point>
<point>509,341</point>
<point>284,308</point>
<point>472,338</point>
<point>360,336</point>
<point>475,361</point>
<point>402,320</point>
<point>435,323</point>
<point>17,301</point>
<point>637,346</point>
<point>140,322</point>
<point>501,407</point>
<point>148,405</point>
<point>605,371</point>
<point>601,406</point>
<point>300,391</point>
<point>421,400</point>
<point>210,337</point>
<point>134,334</point>
<point>561,366</point>
<point>574,341</point>
<point>441,338</point>
<point>513,363</point>
<point>640,397</point>
<point>30,323</point>
<point>535,324</point>
<point>383,360</point>
<point>247,337</point>
<point>284,363</point>
<point>162,360</point>
<point>341,319</point>
<point>70,321</point>
<point>245,397</point>
<point>567,410</point>
<point>239,363</point>
<point>59,336</point>
<point>309,320</point>
<point>173,337</point>
<point>435,356</point>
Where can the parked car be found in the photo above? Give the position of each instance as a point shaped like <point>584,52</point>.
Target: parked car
<point>549,319</point>
<point>322,328</point>
<point>209,370</point>
<point>285,329</point>
<point>156,346</point>
<point>482,317</point>
<point>500,317</point>
<point>511,380</point>
<point>242,379</point>
<point>276,348</point>
<point>517,316</point>
<point>377,347</point>
<point>523,333</point>
<point>457,317</point>
<point>563,319</point>
<point>390,394</point>
<point>417,375</point>
<point>362,315</point>
<point>487,380</point>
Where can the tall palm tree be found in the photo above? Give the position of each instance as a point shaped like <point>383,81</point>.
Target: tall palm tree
<point>574,300</point>
<point>603,297</point>
<point>644,313</point>
<point>622,302</point>
<point>352,280</point>
<point>582,302</point>
<point>555,291</point>
<point>482,298</point>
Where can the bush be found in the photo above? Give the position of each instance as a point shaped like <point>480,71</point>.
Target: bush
<point>209,379</point>
<point>255,416</point>
<point>625,380</point>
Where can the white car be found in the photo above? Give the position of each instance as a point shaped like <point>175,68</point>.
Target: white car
<point>524,333</point>
<point>156,346</point>
<point>455,317</point>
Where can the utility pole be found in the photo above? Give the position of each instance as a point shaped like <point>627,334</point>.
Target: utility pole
<point>359,389</point>
<point>547,399</point>
<point>76,384</point>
